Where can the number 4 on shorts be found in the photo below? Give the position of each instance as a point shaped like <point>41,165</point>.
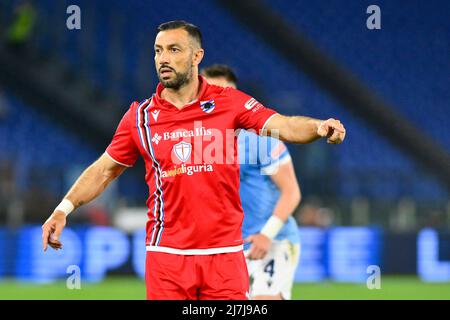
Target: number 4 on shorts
<point>269,268</point>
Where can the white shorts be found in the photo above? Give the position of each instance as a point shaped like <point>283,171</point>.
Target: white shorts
<point>275,273</point>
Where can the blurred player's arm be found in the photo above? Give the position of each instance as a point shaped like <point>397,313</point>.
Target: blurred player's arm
<point>91,183</point>
<point>298,129</point>
<point>290,194</point>
<point>290,197</point>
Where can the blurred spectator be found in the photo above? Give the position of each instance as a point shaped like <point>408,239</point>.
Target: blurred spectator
<point>37,204</point>
<point>447,214</point>
<point>435,219</point>
<point>4,105</point>
<point>314,216</point>
<point>3,17</point>
<point>404,217</point>
<point>316,163</point>
<point>21,28</point>
<point>7,188</point>
<point>360,209</point>
<point>97,215</point>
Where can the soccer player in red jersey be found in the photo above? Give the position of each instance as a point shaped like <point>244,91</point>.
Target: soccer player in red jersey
<point>186,134</point>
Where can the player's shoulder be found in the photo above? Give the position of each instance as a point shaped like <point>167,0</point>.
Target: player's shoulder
<point>236,93</point>
<point>225,92</point>
<point>136,104</point>
<point>213,91</point>
<point>231,97</point>
<point>131,111</point>
<point>278,149</point>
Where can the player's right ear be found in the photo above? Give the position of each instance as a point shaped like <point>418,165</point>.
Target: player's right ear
<point>198,56</point>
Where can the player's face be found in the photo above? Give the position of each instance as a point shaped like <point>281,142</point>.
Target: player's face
<point>174,58</point>
<point>220,81</point>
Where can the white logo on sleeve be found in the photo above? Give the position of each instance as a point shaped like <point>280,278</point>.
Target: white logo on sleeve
<point>250,103</point>
<point>155,114</point>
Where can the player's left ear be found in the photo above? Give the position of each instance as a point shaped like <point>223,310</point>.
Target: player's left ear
<point>197,57</point>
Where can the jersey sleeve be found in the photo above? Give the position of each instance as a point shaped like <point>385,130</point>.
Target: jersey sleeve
<point>250,114</point>
<point>272,154</point>
<point>122,148</point>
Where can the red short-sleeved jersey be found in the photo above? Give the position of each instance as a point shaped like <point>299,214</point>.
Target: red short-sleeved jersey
<point>192,170</point>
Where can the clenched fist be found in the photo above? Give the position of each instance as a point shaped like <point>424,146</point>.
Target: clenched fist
<point>333,130</point>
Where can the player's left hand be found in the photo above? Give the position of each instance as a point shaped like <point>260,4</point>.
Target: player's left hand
<point>260,246</point>
<point>332,129</point>
<point>51,230</point>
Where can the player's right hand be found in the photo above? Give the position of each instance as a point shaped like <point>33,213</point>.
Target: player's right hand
<point>51,230</point>
<point>260,245</point>
<point>332,129</point>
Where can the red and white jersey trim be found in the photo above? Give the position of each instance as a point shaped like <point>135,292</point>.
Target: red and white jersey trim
<point>267,121</point>
<point>118,162</point>
<point>195,251</point>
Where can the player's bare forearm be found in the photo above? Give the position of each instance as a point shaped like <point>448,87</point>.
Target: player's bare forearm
<point>93,181</point>
<point>286,204</point>
<point>290,194</point>
<point>302,130</point>
<point>294,129</point>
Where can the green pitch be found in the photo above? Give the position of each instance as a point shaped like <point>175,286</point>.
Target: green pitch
<point>133,288</point>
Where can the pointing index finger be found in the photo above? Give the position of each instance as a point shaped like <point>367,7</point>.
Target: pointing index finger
<point>45,235</point>
<point>337,126</point>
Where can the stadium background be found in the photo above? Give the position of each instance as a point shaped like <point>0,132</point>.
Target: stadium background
<point>381,198</point>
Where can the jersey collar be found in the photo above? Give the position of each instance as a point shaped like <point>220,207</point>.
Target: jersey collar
<point>203,87</point>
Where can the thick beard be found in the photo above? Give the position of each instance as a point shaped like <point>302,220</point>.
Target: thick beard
<point>180,80</point>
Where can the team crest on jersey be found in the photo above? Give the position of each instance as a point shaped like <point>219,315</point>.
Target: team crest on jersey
<point>207,106</point>
<point>182,150</point>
